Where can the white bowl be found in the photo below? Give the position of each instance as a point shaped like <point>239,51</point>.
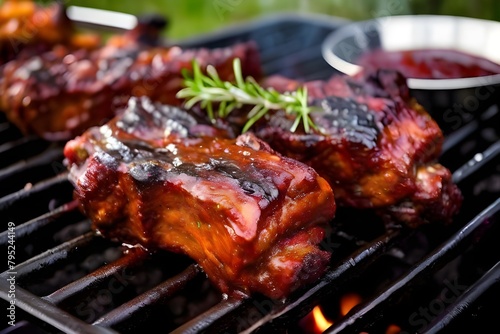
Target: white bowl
<point>452,102</point>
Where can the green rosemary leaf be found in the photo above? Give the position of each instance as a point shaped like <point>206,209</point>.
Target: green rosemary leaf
<point>209,82</point>
<point>197,75</point>
<point>222,107</point>
<point>210,110</point>
<point>213,74</point>
<point>255,110</point>
<point>238,76</point>
<point>191,102</point>
<point>207,89</point>
<point>230,107</point>
<point>258,88</point>
<point>259,113</point>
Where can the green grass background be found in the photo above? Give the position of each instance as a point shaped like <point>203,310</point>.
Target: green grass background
<point>191,17</point>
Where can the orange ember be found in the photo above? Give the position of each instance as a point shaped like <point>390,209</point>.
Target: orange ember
<point>320,321</point>
<point>348,301</point>
<point>393,329</point>
<point>316,322</point>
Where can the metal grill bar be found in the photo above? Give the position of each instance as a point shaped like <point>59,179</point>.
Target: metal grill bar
<point>464,302</point>
<point>151,297</point>
<point>50,313</point>
<point>53,255</point>
<point>209,318</point>
<point>477,162</point>
<point>454,139</point>
<point>8,132</point>
<point>43,309</point>
<point>17,144</point>
<point>373,308</point>
<point>45,185</point>
<point>43,159</point>
<point>22,148</point>
<point>134,255</point>
<point>34,225</point>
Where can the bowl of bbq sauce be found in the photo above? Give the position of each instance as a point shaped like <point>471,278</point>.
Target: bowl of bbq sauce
<point>452,64</point>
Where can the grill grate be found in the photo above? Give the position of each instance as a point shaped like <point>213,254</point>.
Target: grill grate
<point>71,280</point>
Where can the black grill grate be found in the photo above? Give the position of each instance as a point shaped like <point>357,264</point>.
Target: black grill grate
<point>71,280</point>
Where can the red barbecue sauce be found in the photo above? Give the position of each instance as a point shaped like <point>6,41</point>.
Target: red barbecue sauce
<point>430,64</point>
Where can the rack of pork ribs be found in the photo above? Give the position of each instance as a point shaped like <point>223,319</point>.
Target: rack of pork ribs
<point>59,93</point>
<point>251,209</point>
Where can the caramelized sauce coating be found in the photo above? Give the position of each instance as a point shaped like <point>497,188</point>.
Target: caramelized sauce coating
<point>251,218</point>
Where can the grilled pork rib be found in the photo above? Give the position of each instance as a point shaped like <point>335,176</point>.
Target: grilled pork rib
<point>376,146</point>
<point>60,93</point>
<point>28,28</point>
<point>250,217</point>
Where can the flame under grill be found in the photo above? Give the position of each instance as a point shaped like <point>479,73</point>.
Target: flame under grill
<point>432,279</point>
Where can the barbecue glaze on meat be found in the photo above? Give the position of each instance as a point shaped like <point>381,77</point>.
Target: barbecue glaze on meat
<point>28,29</point>
<point>250,217</point>
<point>376,146</point>
<point>60,93</point>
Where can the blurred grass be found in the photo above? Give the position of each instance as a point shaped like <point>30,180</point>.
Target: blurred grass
<point>191,17</point>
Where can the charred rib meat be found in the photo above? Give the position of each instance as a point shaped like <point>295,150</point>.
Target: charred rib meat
<point>250,217</point>
<point>60,93</point>
<point>375,145</point>
<point>28,29</point>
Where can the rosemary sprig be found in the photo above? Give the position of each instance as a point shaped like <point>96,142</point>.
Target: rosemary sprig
<point>208,89</point>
